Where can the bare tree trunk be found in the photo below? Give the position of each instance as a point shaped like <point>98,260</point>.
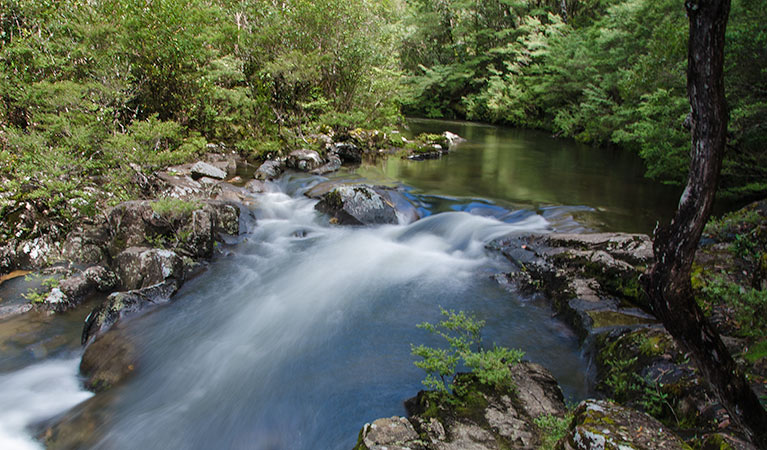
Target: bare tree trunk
<point>668,280</point>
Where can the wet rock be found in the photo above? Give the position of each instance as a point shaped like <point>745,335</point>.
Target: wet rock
<point>140,267</point>
<point>72,290</point>
<point>108,360</point>
<point>79,427</point>
<point>591,279</point>
<point>391,433</point>
<point>255,186</point>
<point>537,391</point>
<point>357,205</point>
<point>190,230</point>
<point>270,170</point>
<point>333,164</point>
<point>603,425</point>
<point>452,139</point>
<point>125,304</point>
<point>202,169</point>
<point>481,418</point>
<point>304,160</point>
<point>348,152</point>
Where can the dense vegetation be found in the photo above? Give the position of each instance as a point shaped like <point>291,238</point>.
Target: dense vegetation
<point>600,71</point>
<point>93,92</point>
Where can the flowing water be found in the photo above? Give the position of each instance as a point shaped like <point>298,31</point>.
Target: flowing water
<point>299,332</point>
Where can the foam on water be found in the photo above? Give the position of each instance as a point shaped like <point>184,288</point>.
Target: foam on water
<point>33,394</point>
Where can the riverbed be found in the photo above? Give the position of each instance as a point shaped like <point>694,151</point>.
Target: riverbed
<point>300,331</point>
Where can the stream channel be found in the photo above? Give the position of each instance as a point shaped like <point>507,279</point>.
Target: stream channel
<point>299,331</point>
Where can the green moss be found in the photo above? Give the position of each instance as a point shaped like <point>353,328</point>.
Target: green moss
<point>614,318</point>
<point>360,445</point>
<point>756,351</point>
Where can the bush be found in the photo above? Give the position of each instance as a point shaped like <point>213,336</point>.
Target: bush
<point>462,333</point>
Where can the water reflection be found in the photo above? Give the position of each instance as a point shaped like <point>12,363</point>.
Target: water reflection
<point>531,169</point>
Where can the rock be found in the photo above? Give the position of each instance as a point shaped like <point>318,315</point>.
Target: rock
<point>452,139</point>
<point>78,428</point>
<point>348,152</point>
<point>357,205</point>
<point>87,244</point>
<point>591,279</point>
<point>140,267</point>
<point>270,170</point>
<point>603,425</point>
<point>202,169</point>
<point>73,289</point>
<point>189,229</point>
<point>537,390</point>
<point>108,360</point>
<point>304,160</point>
<point>640,366</point>
<point>480,418</point>
<point>333,164</point>
<point>392,433</point>
<point>125,304</point>
<point>255,186</point>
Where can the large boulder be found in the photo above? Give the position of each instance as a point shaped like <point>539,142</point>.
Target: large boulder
<point>120,305</point>
<point>358,205</point>
<point>603,425</point>
<point>140,267</point>
<point>188,227</point>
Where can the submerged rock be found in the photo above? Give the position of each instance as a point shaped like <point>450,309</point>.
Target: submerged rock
<point>357,205</point>
<point>108,360</point>
<point>603,425</point>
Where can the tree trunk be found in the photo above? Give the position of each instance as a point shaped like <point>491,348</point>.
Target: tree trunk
<point>668,281</point>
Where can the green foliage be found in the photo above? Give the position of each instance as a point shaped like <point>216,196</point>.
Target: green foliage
<point>749,304</point>
<point>606,72</point>
<point>463,334</point>
<point>174,207</point>
<point>554,428</point>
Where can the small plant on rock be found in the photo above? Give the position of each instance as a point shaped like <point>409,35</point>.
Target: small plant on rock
<point>463,335</point>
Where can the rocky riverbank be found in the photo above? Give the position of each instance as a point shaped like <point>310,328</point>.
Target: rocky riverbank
<point>658,399</point>
<point>142,251</point>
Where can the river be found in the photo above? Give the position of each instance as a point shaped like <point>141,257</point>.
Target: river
<point>299,331</point>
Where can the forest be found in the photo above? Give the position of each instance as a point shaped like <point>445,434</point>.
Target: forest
<point>90,87</point>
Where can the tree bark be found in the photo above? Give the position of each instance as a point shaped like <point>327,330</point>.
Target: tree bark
<point>667,283</point>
